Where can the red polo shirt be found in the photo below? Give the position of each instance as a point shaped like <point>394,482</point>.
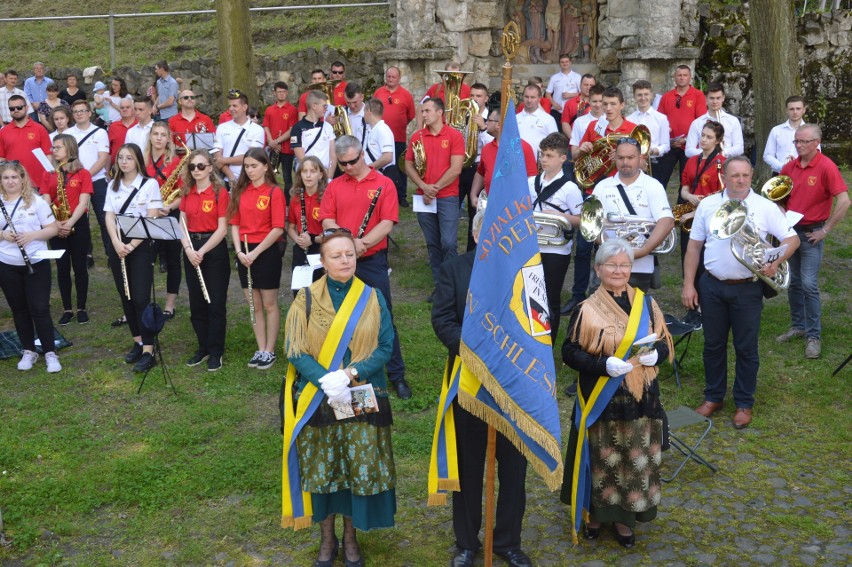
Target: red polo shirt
<point>692,105</point>
<point>399,110</point>
<point>261,209</point>
<point>489,156</point>
<point>161,172</point>
<point>279,119</point>
<point>544,103</point>
<point>439,148</point>
<point>574,107</point>
<point>199,123</point>
<point>339,94</point>
<point>75,184</point>
<point>347,200</point>
<point>312,213</point>
<point>709,182</point>
<point>203,210</point>
<point>814,187</point>
<point>225,117</point>
<point>437,90</point>
<point>18,143</point>
<point>117,133</point>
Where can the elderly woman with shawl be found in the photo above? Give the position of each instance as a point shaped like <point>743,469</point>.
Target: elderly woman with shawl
<point>612,467</point>
<point>338,334</point>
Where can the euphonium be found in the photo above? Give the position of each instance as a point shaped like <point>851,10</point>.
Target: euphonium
<point>599,163</point>
<point>594,223</point>
<point>460,113</point>
<point>327,87</point>
<point>551,230</point>
<point>168,191</point>
<point>731,221</point>
<point>778,189</point>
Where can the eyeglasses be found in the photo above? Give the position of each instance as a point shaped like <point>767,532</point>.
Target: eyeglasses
<point>189,97</point>
<point>618,267</point>
<point>803,142</point>
<point>198,166</point>
<point>9,162</point>
<point>344,163</point>
<point>330,231</point>
<point>631,141</point>
<point>16,108</point>
<point>677,101</point>
<point>57,148</point>
<point>80,111</point>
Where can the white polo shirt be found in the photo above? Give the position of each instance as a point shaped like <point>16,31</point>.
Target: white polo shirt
<point>580,126</point>
<point>227,135</point>
<point>658,125</point>
<point>563,83</point>
<point>732,144</point>
<point>358,123</point>
<point>568,198</point>
<point>379,141</point>
<point>138,135</point>
<point>649,200</point>
<point>148,197</point>
<point>90,149</point>
<point>534,126</point>
<point>718,258</point>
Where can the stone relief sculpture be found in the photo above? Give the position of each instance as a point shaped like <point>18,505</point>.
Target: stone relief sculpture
<point>552,27</point>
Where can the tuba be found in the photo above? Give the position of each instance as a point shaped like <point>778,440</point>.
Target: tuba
<point>599,163</point>
<point>594,223</point>
<point>730,221</point>
<point>342,128</point>
<point>460,113</point>
<point>551,230</point>
<point>778,189</point>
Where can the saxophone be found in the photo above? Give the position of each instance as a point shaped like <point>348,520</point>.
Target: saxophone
<point>60,207</point>
<point>168,191</point>
<point>684,213</point>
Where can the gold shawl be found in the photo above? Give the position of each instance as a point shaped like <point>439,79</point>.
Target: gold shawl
<point>601,326</point>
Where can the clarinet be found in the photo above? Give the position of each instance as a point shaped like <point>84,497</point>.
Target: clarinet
<point>304,214</point>
<point>15,232</point>
<point>369,213</point>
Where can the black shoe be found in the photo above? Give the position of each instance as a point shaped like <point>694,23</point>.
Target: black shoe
<point>258,356</point>
<point>267,361</point>
<point>146,363</point>
<point>214,363</point>
<point>626,541</point>
<point>591,533</point>
<point>329,562</point>
<point>163,268</point>
<point>82,317</point>
<point>571,390</point>
<point>404,203</point>
<point>571,305</point>
<point>464,558</point>
<point>66,318</point>
<point>90,261</point>
<point>403,390</point>
<point>119,322</point>
<point>168,315</point>
<point>134,354</point>
<point>197,358</point>
<point>515,558</point>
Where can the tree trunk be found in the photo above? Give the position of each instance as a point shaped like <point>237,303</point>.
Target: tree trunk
<point>235,50</point>
<point>774,56</point>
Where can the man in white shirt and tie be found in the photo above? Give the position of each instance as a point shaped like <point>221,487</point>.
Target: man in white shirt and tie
<point>533,122</point>
<point>779,146</point>
<point>733,145</point>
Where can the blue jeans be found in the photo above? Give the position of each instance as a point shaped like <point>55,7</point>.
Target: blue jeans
<point>804,286</point>
<point>441,232</point>
<point>730,308</point>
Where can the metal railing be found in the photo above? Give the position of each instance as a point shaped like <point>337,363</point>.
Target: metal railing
<point>112,17</point>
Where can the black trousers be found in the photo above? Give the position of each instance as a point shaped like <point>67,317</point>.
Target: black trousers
<point>286,164</point>
<point>76,247</point>
<point>170,251</point>
<point>664,167</point>
<point>140,276</point>
<point>209,319</point>
<point>555,267</point>
<point>98,200</point>
<point>28,296</point>
<point>467,504</point>
<point>465,182</point>
<point>401,180</point>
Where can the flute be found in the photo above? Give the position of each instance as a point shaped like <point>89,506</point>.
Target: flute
<point>369,214</point>
<point>197,268</point>
<point>15,234</point>
<point>250,286</point>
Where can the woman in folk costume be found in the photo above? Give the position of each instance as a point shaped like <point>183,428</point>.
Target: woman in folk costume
<point>612,467</point>
<point>338,334</point>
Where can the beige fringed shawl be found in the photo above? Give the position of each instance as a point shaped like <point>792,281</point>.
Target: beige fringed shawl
<point>601,326</point>
<point>302,338</point>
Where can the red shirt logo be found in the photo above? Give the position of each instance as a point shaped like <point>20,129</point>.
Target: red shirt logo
<point>690,103</point>
<point>445,144</point>
<point>73,183</point>
<point>30,135</point>
<point>315,213</point>
<point>372,193</point>
<point>207,206</point>
<point>812,180</point>
<point>285,115</point>
<point>396,100</point>
<point>263,202</point>
<point>705,180</point>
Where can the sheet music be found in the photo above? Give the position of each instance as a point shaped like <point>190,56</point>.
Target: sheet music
<point>42,159</point>
<point>772,254</point>
<point>303,276</point>
<point>419,206</point>
<point>48,254</point>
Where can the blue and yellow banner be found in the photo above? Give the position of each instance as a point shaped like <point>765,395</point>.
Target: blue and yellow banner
<point>508,377</point>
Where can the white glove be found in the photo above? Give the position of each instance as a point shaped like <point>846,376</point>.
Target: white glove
<point>345,397</point>
<point>649,358</point>
<point>334,383</point>
<point>616,367</point>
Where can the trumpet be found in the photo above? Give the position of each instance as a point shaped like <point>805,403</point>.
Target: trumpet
<point>599,163</point>
<point>730,221</point>
<point>595,223</point>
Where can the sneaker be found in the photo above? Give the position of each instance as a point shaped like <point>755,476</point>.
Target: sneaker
<point>693,319</point>
<point>90,262</point>
<point>214,363</point>
<point>197,358</point>
<point>813,348</point>
<point>28,358</point>
<point>82,317</point>
<point>146,362</point>
<point>792,333</point>
<point>268,360</point>
<point>66,318</point>
<point>52,361</point>
<point>133,354</point>
<point>258,356</point>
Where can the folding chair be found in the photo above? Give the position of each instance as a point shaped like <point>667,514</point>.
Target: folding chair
<point>678,419</point>
<point>680,332</point>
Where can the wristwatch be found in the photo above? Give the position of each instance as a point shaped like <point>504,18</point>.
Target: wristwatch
<point>354,372</point>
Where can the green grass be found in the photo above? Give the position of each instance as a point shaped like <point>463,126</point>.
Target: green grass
<point>83,43</point>
<point>93,474</point>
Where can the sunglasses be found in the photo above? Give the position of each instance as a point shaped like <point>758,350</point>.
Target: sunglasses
<point>677,101</point>
<point>198,166</point>
<point>390,100</point>
<point>333,72</point>
<point>235,93</point>
<point>339,229</point>
<point>630,141</point>
<point>344,163</point>
<point>16,108</point>
<point>189,97</point>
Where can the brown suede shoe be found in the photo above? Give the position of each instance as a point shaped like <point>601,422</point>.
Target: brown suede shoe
<point>707,409</point>
<point>742,418</point>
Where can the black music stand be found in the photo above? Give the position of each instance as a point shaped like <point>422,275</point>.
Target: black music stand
<point>200,140</point>
<point>161,228</point>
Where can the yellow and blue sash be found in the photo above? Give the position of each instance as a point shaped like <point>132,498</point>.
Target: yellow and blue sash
<point>296,504</point>
<point>587,412</point>
<point>443,464</point>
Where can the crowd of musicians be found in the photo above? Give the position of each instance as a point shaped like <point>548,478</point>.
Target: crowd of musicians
<point>346,163</point>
